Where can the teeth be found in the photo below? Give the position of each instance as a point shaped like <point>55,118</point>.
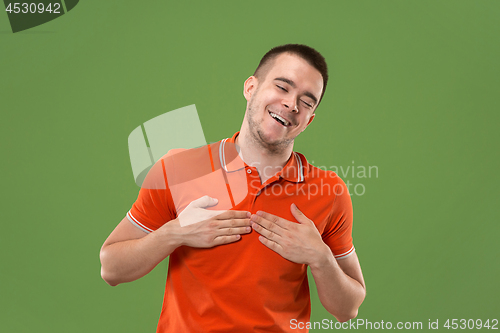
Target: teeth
<point>283,120</point>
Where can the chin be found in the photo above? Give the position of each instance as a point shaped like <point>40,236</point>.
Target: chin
<point>271,142</point>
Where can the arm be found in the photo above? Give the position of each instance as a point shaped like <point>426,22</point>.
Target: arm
<point>130,253</point>
<point>340,283</point>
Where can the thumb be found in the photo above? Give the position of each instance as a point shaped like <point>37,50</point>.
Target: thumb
<point>299,216</point>
<point>204,202</point>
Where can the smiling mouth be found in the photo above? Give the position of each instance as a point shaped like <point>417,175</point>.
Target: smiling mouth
<point>280,119</point>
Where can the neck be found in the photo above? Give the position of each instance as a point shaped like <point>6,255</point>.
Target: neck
<point>267,162</point>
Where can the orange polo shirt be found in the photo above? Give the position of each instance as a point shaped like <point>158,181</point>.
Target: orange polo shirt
<point>242,286</point>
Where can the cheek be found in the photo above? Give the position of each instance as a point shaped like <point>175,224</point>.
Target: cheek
<point>305,122</point>
<point>266,98</point>
<point>271,94</point>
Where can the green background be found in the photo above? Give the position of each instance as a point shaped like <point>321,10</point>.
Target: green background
<point>414,90</point>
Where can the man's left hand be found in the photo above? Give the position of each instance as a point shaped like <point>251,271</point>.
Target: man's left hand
<point>298,242</point>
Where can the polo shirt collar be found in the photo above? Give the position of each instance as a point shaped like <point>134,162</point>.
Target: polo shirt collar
<point>293,171</point>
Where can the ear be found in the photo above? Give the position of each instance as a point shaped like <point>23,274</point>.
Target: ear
<point>249,87</point>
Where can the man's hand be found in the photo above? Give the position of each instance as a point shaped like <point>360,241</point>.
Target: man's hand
<point>298,242</point>
<point>197,211</point>
<point>198,227</point>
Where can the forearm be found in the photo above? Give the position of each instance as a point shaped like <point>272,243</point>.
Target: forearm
<point>132,259</point>
<point>340,294</point>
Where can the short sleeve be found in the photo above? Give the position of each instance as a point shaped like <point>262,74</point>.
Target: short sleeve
<point>154,205</point>
<point>338,231</point>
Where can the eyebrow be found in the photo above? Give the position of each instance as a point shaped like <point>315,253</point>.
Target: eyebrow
<point>291,83</point>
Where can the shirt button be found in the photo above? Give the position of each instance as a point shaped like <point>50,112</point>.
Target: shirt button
<point>249,170</point>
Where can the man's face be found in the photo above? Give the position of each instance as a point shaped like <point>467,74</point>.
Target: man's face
<point>282,105</point>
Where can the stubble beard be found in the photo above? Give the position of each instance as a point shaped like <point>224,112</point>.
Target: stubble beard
<point>257,135</point>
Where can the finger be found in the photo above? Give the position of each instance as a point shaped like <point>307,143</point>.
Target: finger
<point>266,224</point>
<point>273,219</point>
<point>226,239</point>
<point>204,202</point>
<point>234,231</point>
<point>233,223</point>
<point>299,216</point>
<point>272,245</point>
<point>266,233</point>
<point>233,214</point>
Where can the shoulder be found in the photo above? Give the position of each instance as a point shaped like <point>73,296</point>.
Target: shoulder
<point>179,165</point>
<point>312,172</point>
<point>330,183</point>
<point>187,164</point>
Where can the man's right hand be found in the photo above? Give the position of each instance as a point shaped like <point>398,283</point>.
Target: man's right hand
<point>196,226</point>
<point>130,253</point>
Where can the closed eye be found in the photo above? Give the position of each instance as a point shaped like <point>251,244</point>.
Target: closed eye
<point>282,88</point>
<point>307,104</point>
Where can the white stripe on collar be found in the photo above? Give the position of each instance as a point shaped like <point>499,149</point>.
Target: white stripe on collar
<point>222,154</point>
<point>300,171</point>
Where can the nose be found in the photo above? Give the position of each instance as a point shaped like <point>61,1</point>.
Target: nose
<point>291,105</point>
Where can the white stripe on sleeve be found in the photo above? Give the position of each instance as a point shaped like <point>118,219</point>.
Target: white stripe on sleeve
<point>138,224</point>
<point>345,254</point>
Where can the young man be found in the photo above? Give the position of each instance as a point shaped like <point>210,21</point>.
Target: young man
<point>245,269</point>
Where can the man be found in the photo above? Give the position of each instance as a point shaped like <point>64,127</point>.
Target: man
<point>245,269</point>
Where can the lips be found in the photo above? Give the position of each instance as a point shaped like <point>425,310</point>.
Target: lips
<point>282,121</point>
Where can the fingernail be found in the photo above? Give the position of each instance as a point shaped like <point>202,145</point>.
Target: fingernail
<point>248,229</point>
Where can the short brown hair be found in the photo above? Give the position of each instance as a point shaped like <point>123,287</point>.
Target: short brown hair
<point>313,57</point>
